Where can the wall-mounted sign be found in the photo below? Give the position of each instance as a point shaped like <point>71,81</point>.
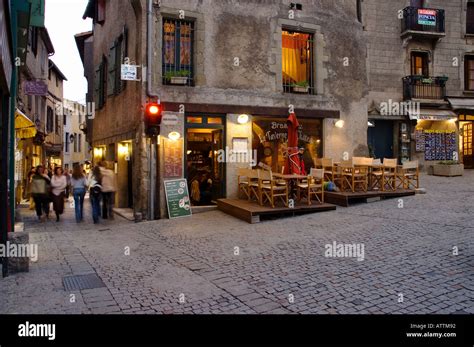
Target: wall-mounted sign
<point>37,13</point>
<point>169,119</point>
<point>173,152</point>
<point>35,88</point>
<point>129,72</point>
<point>177,198</point>
<point>426,17</point>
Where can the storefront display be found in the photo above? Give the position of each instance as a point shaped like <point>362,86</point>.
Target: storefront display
<point>270,138</point>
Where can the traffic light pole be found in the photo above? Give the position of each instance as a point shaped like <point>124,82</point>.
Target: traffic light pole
<point>153,141</point>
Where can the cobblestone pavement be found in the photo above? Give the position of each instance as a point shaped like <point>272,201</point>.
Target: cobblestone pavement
<point>192,265</point>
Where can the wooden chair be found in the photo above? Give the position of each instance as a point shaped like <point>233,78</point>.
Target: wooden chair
<point>409,174</point>
<point>354,176</point>
<point>376,175</point>
<point>314,186</point>
<point>269,189</point>
<point>253,176</point>
<point>282,182</point>
<point>389,177</point>
<point>243,183</point>
<point>330,171</point>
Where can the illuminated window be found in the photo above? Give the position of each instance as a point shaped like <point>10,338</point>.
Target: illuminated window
<point>178,52</point>
<point>196,120</point>
<point>214,120</point>
<point>297,62</point>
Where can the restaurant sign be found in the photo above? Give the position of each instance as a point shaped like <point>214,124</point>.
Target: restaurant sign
<point>177,198</point>
<point>426,17</point>
<point>35,88</point>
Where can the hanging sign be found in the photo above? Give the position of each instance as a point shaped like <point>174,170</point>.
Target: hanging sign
<point>129,72</point>
<point>177,198</point>
<point>426,17</point>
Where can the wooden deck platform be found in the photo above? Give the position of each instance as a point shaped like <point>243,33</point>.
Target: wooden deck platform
<point>347,198</point>
<point>252,212</point>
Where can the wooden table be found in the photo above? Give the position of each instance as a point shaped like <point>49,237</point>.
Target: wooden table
<point>289,178</point>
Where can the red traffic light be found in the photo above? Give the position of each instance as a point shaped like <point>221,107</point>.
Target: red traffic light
<point>153,109</point>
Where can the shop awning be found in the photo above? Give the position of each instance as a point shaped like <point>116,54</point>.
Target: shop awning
<point>24,127</point>
<point>432,114</point>
<point>461,103</point>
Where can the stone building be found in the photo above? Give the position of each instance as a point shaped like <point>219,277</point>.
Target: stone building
<point>227,75</point>
<point>31,114</point>
<point>53,145</point>
<point>76,148</point>
<point>420,68</point>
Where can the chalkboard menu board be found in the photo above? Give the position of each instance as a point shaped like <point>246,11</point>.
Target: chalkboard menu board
<point>173,158</point>
<point>177,198</point>
<point>439,144</point>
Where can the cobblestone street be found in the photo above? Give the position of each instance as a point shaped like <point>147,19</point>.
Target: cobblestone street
<point>192,265</point>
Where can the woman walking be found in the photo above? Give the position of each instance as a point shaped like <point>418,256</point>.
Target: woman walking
<point>79,185</point>
<point>40,184</point>
<point>95,186</point>
<point>59,184</point>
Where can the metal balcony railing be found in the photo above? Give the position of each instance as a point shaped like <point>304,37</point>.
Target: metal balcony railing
<point>421,87</point>
<point>428,20</point>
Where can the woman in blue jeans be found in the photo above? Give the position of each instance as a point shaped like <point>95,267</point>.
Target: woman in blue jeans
<point>79,185</point>
<point>95,192</point>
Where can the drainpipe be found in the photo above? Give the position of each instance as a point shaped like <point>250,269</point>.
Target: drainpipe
<point>152,95</point>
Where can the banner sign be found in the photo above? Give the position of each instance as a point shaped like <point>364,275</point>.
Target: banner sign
<point>427,17</point>
<point>177,198</point>
<point>35,88</point>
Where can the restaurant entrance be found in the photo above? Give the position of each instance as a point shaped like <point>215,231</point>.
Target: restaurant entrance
<point>205,158</point>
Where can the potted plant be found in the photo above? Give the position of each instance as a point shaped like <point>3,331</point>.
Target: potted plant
<point>178,76</point>
<point>448,168</point>
<point>300,87</point>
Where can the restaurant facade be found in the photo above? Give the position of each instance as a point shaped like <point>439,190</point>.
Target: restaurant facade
<point>227,78</point>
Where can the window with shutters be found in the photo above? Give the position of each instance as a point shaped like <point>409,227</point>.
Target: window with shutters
<point>100,84</point>
<point>470,18</point>
<point>117,55</point>
<point>66,143</point>
<point>57,123</point>
<point>49,120</point>
<point>469,72</point>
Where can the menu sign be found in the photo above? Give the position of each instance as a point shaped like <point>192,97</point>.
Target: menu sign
<point>427,17</point>
<point>173,158</point>
<point>177,198</point>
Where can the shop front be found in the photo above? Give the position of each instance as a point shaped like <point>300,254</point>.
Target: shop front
<point>464,108</point>
<point>208,144</point>
<point>435,136</point>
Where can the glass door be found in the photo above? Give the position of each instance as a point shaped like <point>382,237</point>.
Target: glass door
<point>205,158</point>
<point>468,156</point>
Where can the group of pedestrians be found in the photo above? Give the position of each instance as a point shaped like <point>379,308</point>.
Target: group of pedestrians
<point>100,182</point>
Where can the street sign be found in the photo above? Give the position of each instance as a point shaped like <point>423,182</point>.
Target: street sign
<point>129,72</point>
<point>38,88</point>
<point>177,198</point>
<point>169,119</point>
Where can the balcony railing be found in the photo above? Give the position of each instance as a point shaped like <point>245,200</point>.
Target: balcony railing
<point>428,88</point>
<point>425,20</point>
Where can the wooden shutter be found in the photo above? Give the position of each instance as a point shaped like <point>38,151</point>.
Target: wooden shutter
<point>112,70</point>
<point>97,87</point>
<point>123,54</point>
<point>100,15</point>
<point>103,81</point>
<point>470,18</point>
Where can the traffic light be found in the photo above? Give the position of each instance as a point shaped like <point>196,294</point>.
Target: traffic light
<point>153,118</point>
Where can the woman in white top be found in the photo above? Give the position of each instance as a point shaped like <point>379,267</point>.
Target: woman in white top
<point>58,185</point>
